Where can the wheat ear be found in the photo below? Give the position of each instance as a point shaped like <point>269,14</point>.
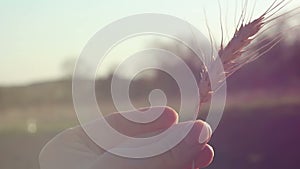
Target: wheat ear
<point>239,51</point>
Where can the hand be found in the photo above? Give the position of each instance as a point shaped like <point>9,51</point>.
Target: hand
<point>73,149</point>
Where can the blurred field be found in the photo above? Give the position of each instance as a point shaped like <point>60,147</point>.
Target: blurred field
<point>258,130</point>
<point>258,137</point>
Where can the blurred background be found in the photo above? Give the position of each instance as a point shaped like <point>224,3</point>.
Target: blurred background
<point>41,40</point>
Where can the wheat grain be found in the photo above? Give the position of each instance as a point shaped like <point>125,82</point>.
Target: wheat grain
<point>238,50</point>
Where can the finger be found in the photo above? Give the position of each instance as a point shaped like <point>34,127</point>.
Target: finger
<point>185,152</point>
<point>178,157</point>
<point>203,158</point>
<point>130,128</point>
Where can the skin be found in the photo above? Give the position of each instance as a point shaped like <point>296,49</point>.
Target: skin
<point>74,149</point>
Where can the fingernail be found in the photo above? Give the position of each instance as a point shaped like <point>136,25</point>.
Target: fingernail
<point>205,133</point>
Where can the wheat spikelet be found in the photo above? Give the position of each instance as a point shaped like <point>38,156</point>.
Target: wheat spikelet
<point>239,51</point>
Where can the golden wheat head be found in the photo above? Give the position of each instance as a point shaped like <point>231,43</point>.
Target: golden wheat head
<point>241,50</point>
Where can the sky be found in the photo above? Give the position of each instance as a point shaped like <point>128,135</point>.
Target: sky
<point>37,37</point>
